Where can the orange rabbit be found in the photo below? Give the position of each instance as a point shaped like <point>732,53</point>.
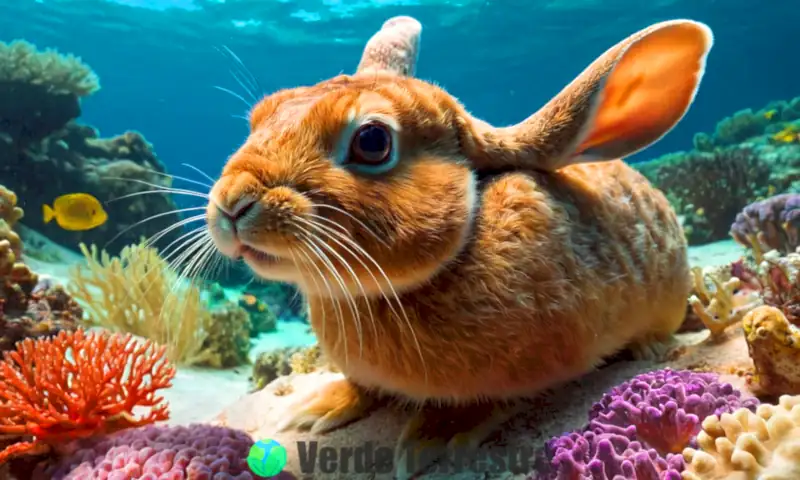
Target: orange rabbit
<point>453,264</point>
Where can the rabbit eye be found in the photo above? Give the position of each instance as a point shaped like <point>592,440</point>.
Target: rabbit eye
<point>371,145</point>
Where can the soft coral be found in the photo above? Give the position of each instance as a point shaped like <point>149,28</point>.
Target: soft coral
<point>78,385</point>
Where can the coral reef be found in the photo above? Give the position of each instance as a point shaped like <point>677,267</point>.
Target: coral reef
<point>774,346</point>
<point>746,445</point>
<point>39,91</point>
<point>194,451</point>
<point>262,318</point>
<point>743,161</point>
<point>769,224</point>
<point>78,385</point>
<point>28,309</point>
<point>40,144</point>
<point>638,428</point>
<point>227,342</point>
<point>283,299</point>
<point>138,293</point>
<point>285,361</point>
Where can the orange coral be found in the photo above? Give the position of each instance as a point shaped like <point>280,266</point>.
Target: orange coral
<point>78,384</point>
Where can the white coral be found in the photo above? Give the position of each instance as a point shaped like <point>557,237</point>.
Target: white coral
<point>744,445</point>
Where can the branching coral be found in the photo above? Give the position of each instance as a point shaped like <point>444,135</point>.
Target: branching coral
<point>138,293</point>
<point>21,62</point>
<point>190,452</point>
<point>774,346</point>
<point>770,224</point>
<point>721,306</point>
<point>78,385</point>
<point>749,446</point>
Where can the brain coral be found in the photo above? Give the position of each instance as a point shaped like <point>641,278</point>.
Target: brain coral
<point>746,445</point>
<point>156,453</point>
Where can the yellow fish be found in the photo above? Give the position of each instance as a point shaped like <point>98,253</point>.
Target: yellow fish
<point>769,114</point>
<point>75,211</point>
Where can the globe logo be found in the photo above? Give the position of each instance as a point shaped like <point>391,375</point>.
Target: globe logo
<point>266,458</point>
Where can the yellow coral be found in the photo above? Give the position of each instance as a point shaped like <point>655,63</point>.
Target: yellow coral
<point>9,211</point>
<point>718,308</point>
<point>774,346</point>
<point>138,293</point>
<point>20,61</point>
<point>747,446</point>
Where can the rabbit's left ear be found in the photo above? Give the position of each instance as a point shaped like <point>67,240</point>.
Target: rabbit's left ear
<point>393,49</point>
<point>626,100</point>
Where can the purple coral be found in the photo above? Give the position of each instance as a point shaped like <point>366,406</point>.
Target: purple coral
<point>199,452</point>
<point>638,429</point>
<point>665,407</point>
<point>608,456</point>
<point>773,223</point>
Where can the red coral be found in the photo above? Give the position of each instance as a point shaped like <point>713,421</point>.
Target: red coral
<point>78,385</point>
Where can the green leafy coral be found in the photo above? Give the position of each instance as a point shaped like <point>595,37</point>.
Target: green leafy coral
<point>21,62</point>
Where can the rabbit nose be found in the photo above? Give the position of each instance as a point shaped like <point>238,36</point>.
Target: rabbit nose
<point>237,210</point>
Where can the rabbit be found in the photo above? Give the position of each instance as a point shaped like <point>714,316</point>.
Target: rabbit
<point>453,265</point>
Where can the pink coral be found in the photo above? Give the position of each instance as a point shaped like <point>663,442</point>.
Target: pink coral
<point>197,452</point>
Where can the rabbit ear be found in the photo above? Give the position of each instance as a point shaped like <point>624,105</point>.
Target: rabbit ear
<point>394,48</point>
<point>626,100</point>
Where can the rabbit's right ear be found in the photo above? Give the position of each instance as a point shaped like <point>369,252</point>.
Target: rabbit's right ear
<point>393,49</point>
<point>626,100</point>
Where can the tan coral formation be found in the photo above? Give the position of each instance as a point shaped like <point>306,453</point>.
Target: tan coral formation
<point>718,308</point>
<point>747,446</point>
<point>774,345</point>
<point>21,62</point>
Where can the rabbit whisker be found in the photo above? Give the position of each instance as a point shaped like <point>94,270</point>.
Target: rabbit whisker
<point>321,229</point>
<point>157,189</point>
<point>402,315</point>
<point>307,251</point>
<point>356,280</point>
<point>204,174</point>
<point>315,242</point>
<point>158,215</point>
<point>303,265</point>
<point>352,217</point>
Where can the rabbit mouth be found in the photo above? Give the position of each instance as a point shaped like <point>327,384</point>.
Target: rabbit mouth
<point>261,257</point>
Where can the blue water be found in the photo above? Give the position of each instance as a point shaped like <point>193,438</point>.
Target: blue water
<point>158,60</point>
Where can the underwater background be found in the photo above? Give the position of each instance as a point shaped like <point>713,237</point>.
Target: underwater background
<point>163,87</point>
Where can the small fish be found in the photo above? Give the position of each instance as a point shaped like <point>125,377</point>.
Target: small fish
<point>790,134</point>
<point>76,212</point>
<point>700,212</point>
<point>249,299</point>
<point>769,114</point>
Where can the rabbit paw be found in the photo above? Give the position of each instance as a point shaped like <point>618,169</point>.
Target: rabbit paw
<point>652,349</point>
<point>329,407</point>
<point>433,431</point>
